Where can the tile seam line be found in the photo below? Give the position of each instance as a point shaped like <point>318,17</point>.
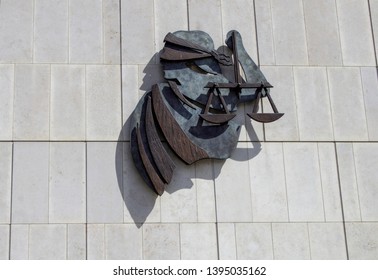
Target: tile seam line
<point>372,34</point>
<point>341,201</point>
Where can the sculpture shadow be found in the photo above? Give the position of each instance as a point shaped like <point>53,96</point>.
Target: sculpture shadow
<point>139,199</point>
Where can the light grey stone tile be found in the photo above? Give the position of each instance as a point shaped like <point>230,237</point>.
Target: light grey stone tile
<point>76,242</point>
<point>180,195</point>
<point>198,241</point>
<point>5,182</point>
<point>322,30</point>
<point>304,189</point>
<point>313,104</point>
<point>47,242</point>
<point>130,96</point>
<point>233,191</point>
<point>103,91</point>
<point>111,31</point>
<point>226,241</point>
<point>362,241</point>
<point>67,183</point>
<point>265,37</point>
<point>347,104</point>
<point>370,87</point>
<point>254,241</point>
<point>283,94</point>
<point>330,182</point>
<point>207,16</point>
<point>137,32</point>
<point>19,245</point>
<point>374,19</point>
<point>289,32</point>
<point>161,241</point>
<point>142,204</point>
<point>355,33</point>
<point>327,241</point>
<point>16,31</point>
<point>30,182</point>
<point>366,162</point>
<point>204,182</point>
<point>95,241</point>
<point>104,195</point>
<point>175,21</point>
<point>267,176</point>
<point>31,102</point>
<point>51,31</point>
<point>123,242</point>
<point>4,242</point>
<point>290,241</point>
<point>67,102</point>
<point>6,97</point>
<point>348,182</point>
<point>85,25</point>
<point>232,12</point>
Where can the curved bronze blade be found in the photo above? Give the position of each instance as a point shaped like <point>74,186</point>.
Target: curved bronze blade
<point>154,177</point>
<point>176,137</point>
<point>180,96</point>
<point>161,158</point>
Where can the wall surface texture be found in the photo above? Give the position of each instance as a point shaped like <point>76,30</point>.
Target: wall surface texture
<point>304,187</point>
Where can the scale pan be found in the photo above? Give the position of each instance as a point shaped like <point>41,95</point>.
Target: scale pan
<point>217,118</point>
<point>265,117</point>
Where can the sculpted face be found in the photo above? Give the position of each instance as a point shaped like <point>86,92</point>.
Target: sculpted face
<point>194,110</point>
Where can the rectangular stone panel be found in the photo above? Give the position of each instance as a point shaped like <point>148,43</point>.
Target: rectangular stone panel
<point>226,241</point>
<point>195,248</point>
<point>327,241</point>
<point>67,183</point>
<point>67,120</point>
<point>204,182</point>
<point>123,242</point>
<point>291,241</point>
<point>103,93</point>
<point>362,241</point>
<point>268,186</point>
<point>6,97</point>
<point>95,241</point>
<point>76,242</point>
<point>16,31</point>
<point>30,182</point>
<point>233,191</point>
<point>6,154</point>
<point>370,87</point>
<point>366,163</point>
<point>304,189</point>
<point>31,102</point>
<point>19,243</point>
<point>348,182</point>
<point>322,30</point>
<point>4,242</point>
<point>104,183</point>
<point>264,26</point>
<point>161,242</point>
<point>111,31</point>
<point>137,18</point>
<point>355,33</point>
<point>85,25</point>
<point>51,31</point>
<point>289,32</point>
<point>254,241</point>
<point>347,104</point>
<point>47,242</point>
<point>313,104</point>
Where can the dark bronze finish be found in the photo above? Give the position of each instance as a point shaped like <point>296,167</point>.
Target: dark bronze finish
<point>176,91</point>
<point>154,177</point>
<point>176,138</point>
<point>161,158</point>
